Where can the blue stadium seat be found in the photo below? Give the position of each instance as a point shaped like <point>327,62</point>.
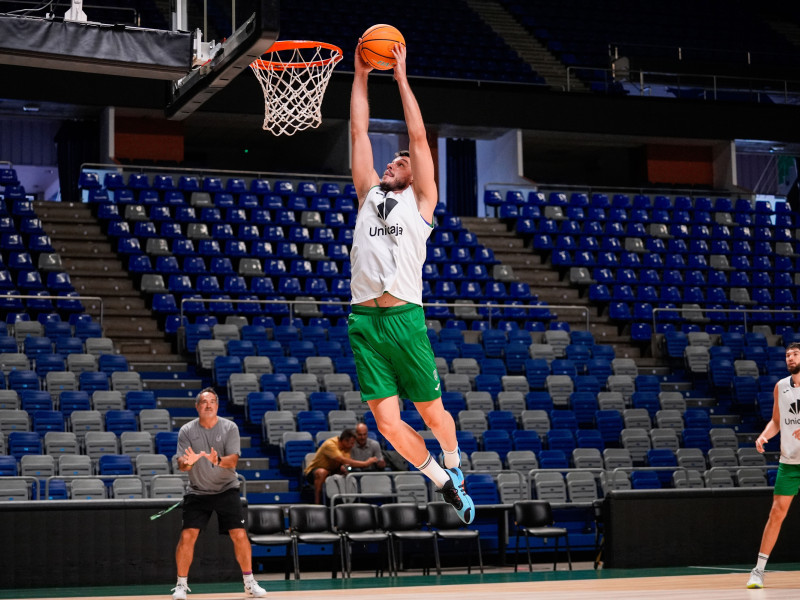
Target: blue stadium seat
<point>482,488</point>
<point>115,464</point>
<point>47,420</point>
<point>137,400</point>
<point>70,401</point>
<point>526,439</point>
<point>610,425</point>
<point>645,480</point>
<point>118,421</point>
<point>498,440</point>
<point>312,421</point>
<point>553,459</point>
<point>501,420</point>
<point>20,443</point>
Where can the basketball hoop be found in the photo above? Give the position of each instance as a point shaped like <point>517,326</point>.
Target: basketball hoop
<point>294,76</point>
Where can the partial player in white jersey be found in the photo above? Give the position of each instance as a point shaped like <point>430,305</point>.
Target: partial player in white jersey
<point>786,421</point>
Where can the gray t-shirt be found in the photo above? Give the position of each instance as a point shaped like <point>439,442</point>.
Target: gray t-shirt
<point>205,478</point>
<point>372,448</point>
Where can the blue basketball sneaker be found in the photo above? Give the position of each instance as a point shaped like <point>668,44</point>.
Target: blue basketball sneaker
<point>455,495</point>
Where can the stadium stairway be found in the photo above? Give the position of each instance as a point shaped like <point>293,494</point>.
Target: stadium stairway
<point>546,283</point>
<point>95,269</point>
<point>176,392</point>
<point>527,46</point>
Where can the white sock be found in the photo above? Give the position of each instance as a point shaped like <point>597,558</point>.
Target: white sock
<point>761,564</point>
<point>433,471</point>
<point>249,578</point>
<point>183,580</point>
<point>452,458</point>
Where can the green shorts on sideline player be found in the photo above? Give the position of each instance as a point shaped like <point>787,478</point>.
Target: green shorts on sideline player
<point>787,481</point>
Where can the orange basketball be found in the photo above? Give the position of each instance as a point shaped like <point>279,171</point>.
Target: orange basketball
<point>376,46</point>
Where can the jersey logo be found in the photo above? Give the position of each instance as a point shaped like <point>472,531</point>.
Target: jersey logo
<point>794,407</point>
<point>385,207</point>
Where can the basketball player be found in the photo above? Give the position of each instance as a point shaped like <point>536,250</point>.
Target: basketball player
<point>786,422</point>
<point>387,327</point>
<point>208,449</point>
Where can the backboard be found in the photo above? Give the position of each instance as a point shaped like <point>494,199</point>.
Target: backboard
<point>44,51</point>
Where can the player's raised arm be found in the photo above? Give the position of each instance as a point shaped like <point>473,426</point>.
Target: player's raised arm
<point>424,181</point>
<point>361,160</point>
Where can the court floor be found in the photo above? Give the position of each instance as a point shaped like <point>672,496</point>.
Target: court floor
<point>708,583</point>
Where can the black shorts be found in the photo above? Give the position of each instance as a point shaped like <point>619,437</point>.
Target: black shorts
<point>310,474</point>
<point>197,511</point>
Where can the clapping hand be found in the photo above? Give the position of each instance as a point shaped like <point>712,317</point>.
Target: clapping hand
<point>191,457</point>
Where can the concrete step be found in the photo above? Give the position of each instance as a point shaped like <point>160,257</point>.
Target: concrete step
<point>142,349</point>
<point>84,249</point>
<point>485,225</point>
<point>181,421</point>
<point>92,267</point>
<point>517,260</point>
<point>63,211</point>
<point>178,368</point>
<point>182,384</point>
<point>132,325</point>
<point>725,420</point>
<point>72,230</point>
<point>541,276</point>
<point>500,243</point>
<point>105,284</point>
<point>708,403</point>
<point>253,464</point>
<point>559,295</point>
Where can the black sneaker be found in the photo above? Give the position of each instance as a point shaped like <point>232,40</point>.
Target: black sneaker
<point>454,494</point>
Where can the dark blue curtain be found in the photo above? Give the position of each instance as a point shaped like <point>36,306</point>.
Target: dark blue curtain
<point>77,142</point>
<point>462,178</point>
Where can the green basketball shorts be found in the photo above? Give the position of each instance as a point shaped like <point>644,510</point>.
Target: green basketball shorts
<point>393,354</point>
<point>787,481</point>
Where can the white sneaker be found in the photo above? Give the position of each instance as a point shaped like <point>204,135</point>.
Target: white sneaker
<point>756,581</point>
<point>179,591</point>
<point>253,590</point>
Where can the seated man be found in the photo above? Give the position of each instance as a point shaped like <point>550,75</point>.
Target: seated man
<point>365,448</point>
<point>333,456</point>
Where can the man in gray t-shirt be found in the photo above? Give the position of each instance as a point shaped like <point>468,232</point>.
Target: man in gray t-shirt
<point>365,447</point>
<point>208,450</point>
<point>204,477</point>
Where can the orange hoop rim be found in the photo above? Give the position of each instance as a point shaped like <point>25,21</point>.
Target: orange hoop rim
<point>279,65</point>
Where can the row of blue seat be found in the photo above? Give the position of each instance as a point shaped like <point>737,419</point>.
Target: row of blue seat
<point>21,443</point>
<point>637,201</point>
<point>219,200</point>
<point>192,183</point>
<point>69,401</point>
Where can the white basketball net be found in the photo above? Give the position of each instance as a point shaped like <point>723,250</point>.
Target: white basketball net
<point>294,80</point>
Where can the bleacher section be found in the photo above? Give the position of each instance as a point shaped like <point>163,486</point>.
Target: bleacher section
<point>544,408</point>
<point>657,37</point>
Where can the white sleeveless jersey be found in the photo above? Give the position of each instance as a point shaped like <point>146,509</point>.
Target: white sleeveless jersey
<point>388,247</point>
<point>789,413</point>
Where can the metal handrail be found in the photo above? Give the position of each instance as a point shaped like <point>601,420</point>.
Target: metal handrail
<point>614,48</point>
<point>490,306</point>
<point>37,5</point>
<point>199,171</point>
<point>714,80</point>
<point>702,309</point>
<point>102,477</point>
<point>79,298</point>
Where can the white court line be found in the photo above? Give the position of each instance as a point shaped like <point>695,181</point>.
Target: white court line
<point>727,569</point>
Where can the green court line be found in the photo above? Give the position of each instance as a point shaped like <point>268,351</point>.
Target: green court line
<point>382,582</point>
